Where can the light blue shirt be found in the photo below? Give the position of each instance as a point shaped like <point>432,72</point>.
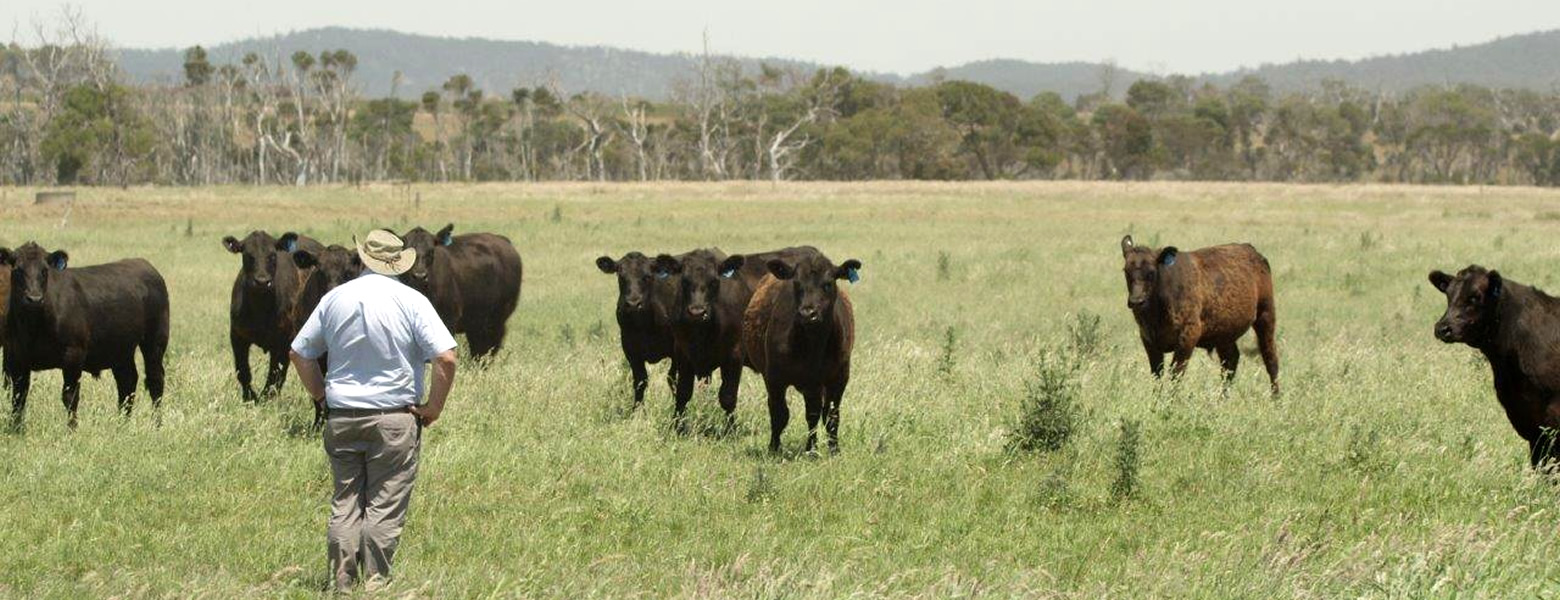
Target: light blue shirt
<point>380,335</point>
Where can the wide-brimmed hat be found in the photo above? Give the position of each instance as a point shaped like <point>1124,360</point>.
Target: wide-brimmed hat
<point>385,253</point>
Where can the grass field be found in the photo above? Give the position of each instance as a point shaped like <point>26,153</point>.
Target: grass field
<point>1387,469</point>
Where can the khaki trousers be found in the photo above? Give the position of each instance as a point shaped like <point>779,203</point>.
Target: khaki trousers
<point>373,458</point>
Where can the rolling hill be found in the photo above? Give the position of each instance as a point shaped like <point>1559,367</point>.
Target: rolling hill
<point>1529,61</point>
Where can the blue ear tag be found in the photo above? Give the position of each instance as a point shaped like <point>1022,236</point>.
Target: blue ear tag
<point>447,240</point>
<point>59,265</point>
<point>292,245</point>
<point>852,275</point>
<point>1170,260</point>
<point>662,274</point>
<point>728,273</point>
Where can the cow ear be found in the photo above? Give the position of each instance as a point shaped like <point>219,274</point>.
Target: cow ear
<point>288,242</point>
<point>607,265</point>
<point>1127,245</point>
<point>7,258</point>
<point>850,271</point>
<point>58,259</point>
<point>780,269</point>
<point>232,245</point>
<point>728,267</point>
<point>1440,280</point>
<point>446,235</point>
<point>304,259</point>
<point>1168,255</point>
<point>1496,285</point>
<point>666,266</point>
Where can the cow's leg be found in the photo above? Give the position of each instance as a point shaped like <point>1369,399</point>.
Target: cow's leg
<point>1542,453</point>
<point>730,380</point>
<point>483,343</point>
<point>152,354</point>
<point>1185,346</point>
<point>813,397</point>
<point>779,413</point>
<point>1229,359</point>
<point>832,396</point>
<point>1265,324</point>
<point>125,379</point>
<point>1156,360</point>
<point>683,395</point>
<point>641,380</point>
<point>20,379</point>
<point>275,373</point>
<point>70,393</point>
<point>241,365</point>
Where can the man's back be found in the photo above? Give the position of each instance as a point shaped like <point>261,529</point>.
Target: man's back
<point>379,334</point>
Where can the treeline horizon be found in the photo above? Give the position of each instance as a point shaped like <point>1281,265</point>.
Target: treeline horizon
<point>72,119</point>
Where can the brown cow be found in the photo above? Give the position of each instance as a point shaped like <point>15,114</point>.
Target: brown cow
<point>1517,327</point>
<point>261,308</point>
<point>83,320</point>
<point>1205,299</point>
<point>798,331</point>
<point>473,281</point>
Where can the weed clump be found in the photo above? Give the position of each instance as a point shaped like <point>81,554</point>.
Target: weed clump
<point>761,489</point>
<point>944,266</point>
<point>950,349</point>
<point>1048,414</point>
<point>1126,483</point>
<point>1084,334</point>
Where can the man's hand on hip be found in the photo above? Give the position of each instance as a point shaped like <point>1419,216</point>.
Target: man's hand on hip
<point>427,413</point>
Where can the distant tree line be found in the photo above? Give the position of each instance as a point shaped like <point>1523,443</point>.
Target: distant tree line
<point>68,117</point>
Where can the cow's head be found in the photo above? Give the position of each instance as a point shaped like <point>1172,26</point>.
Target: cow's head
<point>699,276</point>
<point>425,244</point>
<point>1143,269</point>
<point>1471,300</point>
<point>260,250</point>
<point>636,279</point>
<point>32,268</point>
<point>333,266</point>
<point>813,283</point>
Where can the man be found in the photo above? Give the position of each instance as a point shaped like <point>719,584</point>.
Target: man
<point>378,334</point>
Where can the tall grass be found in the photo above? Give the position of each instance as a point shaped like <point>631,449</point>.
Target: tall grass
<point>1386,470</point>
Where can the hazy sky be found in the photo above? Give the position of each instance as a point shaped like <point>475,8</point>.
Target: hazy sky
<point>901,35</point>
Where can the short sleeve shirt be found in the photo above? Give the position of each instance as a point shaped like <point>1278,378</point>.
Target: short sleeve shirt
<point>379,334</point>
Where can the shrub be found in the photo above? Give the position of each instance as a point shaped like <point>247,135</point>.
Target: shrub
<point>1048,415</point>
<point>1127,461</point>
<point>1084,333</point>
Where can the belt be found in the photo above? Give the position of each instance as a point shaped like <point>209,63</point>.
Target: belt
<point>365,412</point>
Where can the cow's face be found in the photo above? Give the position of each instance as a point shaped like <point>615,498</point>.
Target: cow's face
<point>334,266</point>
<point>31,271</point>
<point>814,284</point>
<point>699,279</point>
<point>636,279</point>
<point>1471,299</point>
<point>259,251</point>
<point>425,244</point>
<point>1143,269</point>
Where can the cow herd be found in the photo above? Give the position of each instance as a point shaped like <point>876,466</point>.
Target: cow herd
<point>781,313</point>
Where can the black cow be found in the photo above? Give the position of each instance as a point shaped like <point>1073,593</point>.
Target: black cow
<point>643,315</point>
<point>798,332</point>
<point>88,319</point>
<point>261,312</point>
<point>473,281</point>
<point>1517,327</point>
<point>712,291</point>
<point>323,271</point>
